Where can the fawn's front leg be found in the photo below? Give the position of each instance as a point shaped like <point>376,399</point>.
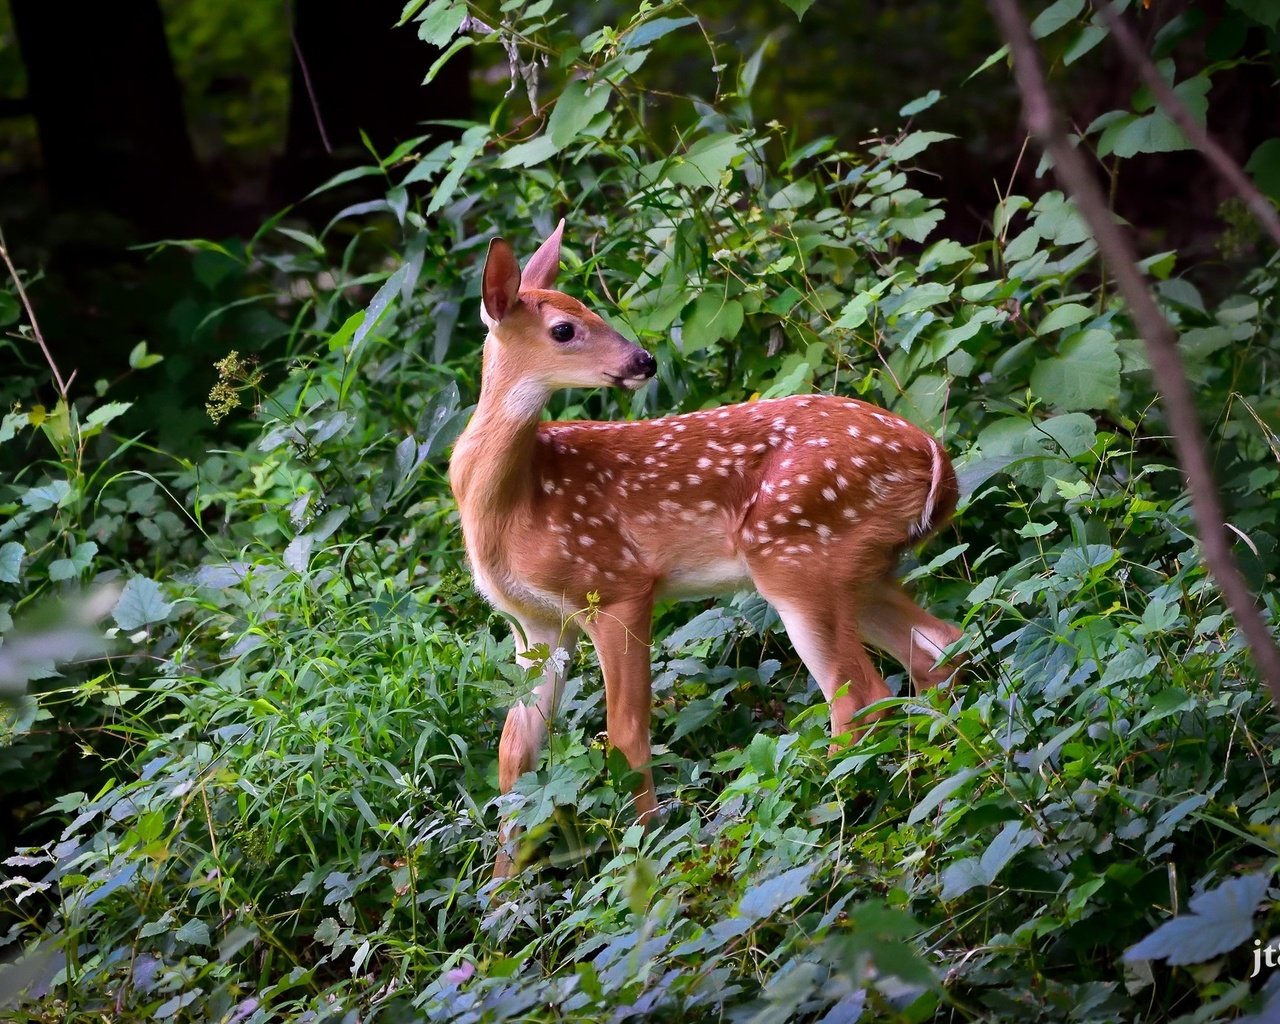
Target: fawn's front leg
<point>621,632</point>
<point>525,730</point>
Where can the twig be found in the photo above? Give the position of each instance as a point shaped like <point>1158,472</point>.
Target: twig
<point>1073,172</point>
<point>306,79</point>
<point>1209,147</point>
<point>31,316</point>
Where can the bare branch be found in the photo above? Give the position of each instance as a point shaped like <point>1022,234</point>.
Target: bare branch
<point>306,78</point>
<point>1073,172</point>
<point>1219,159</point>
<point>31,316</point>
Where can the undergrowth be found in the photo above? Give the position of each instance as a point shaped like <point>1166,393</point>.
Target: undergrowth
<point>294,727</point>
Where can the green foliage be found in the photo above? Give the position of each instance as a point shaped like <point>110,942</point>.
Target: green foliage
<point>297,727</point>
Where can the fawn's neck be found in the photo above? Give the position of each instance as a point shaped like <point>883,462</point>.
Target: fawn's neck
<point>491,471</point>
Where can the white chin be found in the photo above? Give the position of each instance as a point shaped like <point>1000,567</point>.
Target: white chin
<point>634,383</point>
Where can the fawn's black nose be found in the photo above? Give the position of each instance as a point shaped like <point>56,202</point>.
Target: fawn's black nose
<point>643,364</point>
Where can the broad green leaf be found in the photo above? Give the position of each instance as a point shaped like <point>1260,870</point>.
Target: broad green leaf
<point>712,319</point>
<point>948,341</point>
<point>11,562</point>
<point>762,754</point>
<point>799,7</point>
<point>104,414</point>
<point>71,568</point>
<point>1086,39</point>
<point>195,932</point>
<point>461,43</point>
<point>343,334</point>
<point>1220,920</point>
<point>916,297</point>
<point>530,153</point>
<point>47,496</point>
<point>574,110</point>
<point>920,103</point>
<point>856,309</point>
<point>471,143</point>
<point>140,604</point>
<point>1264,165</point>
<point>797,194</point>
<point>440,21</point>
<point>1084,375</point>
<point>1154,132</point>
<point>1265,12</point>
<point>1055,16</point>
<point>767,898</point>
<point>140,359</point>
<point>914,143</point>
<point>705,160</point>
<point>1067,315</point>
<point>378,305</point>
<point>944,253</point>
<point>11,424</point>
<point>652,30</point>
<point>939,793</point>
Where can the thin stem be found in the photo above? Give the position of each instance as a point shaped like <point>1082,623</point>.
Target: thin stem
<point>1118,252</point>
<point>1219,159</point>
<point>31,316</point>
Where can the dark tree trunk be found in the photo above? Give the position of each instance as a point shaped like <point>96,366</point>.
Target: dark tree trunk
<point>364,75</point>
<point>109,112</point>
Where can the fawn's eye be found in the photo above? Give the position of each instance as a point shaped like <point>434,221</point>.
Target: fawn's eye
<point>562,332</point>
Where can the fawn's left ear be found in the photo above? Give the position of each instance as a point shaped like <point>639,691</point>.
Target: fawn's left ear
<point>500,282</point>
<point>544,265</point>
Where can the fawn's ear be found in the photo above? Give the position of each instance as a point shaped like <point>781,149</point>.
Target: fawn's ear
<point>544,265</point>
<point>500,284</point>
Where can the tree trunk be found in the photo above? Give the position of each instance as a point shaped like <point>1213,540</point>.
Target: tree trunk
<point>109,112</point>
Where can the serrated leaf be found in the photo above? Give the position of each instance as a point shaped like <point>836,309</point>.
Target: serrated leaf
<point>1084,375</point>
<point>195,932</point>
<point>762,754</point>
<point>1220,920</point>
<point>140,604</point>
<point>440,22</point>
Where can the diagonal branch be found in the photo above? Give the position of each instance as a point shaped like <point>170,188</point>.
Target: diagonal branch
<point>1219,159</point>
<point>31,316</point>
<point>1073,172</point>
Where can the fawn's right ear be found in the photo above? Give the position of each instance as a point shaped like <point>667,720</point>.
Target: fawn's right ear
<point>500,284</point>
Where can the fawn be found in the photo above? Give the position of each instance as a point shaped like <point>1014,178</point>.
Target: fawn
<point>809,499</point>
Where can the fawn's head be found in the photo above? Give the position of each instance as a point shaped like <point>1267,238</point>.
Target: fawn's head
<point>541,340</point>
